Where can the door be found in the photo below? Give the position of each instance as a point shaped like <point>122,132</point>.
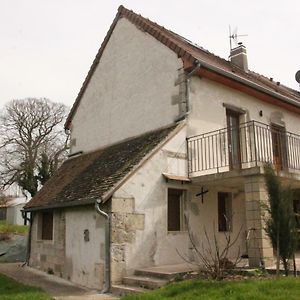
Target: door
<point>279,147</point>
<point>233,131</point>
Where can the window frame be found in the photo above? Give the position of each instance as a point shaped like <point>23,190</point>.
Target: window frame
<point>225,216</point>
<point>182,209</point>
<point>42,233</point>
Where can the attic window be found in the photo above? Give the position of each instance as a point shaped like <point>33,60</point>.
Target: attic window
<point>45,226</point>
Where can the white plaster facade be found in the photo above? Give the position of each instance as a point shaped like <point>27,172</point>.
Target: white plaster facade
<point>84,247</point>
<point>130,92</point>
<point>133,90</point>
<point>208,113</point>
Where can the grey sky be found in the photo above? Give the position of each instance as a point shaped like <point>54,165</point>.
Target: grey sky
<point>47,46</point>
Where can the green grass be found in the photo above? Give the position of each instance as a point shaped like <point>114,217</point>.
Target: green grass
<point>12,290</point>
<point>275,289</point>
<point>16,229</point>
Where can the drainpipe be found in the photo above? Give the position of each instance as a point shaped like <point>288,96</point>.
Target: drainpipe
<point>107,244</point>
<point>188,76</point>
<point>28,250</point>
<point>197,66</point>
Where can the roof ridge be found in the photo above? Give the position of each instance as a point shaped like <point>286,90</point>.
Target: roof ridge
<point>189,52</point>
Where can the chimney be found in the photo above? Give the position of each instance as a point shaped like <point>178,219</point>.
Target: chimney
<point>238,57</point>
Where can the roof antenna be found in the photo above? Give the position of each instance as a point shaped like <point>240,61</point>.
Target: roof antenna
<point>233,36</point>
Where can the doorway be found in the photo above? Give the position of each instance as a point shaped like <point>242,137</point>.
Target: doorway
<point>279,147</point>
<point>233,132</point>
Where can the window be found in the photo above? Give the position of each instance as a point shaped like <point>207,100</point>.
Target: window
<point>279,146</point>
<point>176,207</point>
<point>45,230</point>
<point>224,211</point>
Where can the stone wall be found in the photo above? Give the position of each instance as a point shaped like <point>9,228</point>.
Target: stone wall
<point>49,256</point>
<point>259,245</point>
<point>124,224</point>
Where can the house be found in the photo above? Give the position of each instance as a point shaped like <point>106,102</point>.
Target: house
<point>167,139</point>
<point>12,205</point>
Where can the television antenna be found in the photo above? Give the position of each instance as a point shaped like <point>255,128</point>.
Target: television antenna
<point>233,36</point>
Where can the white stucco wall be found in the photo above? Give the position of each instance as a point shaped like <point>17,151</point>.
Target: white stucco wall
<point>149,190</point>
<point>14,214</point>
<point>85,259</point>
<point>131,91</point>
<point>208,113</point>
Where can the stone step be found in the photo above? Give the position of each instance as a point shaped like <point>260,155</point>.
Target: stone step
<point>122,290</point>
<point>145,282</point>
<point>158,274</point>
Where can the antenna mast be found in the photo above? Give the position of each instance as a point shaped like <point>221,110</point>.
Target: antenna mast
<point>233,36</point>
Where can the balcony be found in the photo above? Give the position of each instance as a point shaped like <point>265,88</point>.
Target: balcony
<point>236,148</point>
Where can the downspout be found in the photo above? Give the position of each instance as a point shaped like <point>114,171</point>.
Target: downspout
<point>188,76</point>
<point>28,248</point>
<point>186,81</point>
<point>107,244</point>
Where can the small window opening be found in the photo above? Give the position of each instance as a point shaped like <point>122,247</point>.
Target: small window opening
<point>225,211</point>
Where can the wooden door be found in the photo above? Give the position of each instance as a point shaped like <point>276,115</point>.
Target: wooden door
<point>279,146</point>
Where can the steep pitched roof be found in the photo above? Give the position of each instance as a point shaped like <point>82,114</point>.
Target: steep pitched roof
<point>190,53</point>
<point>80,180</point>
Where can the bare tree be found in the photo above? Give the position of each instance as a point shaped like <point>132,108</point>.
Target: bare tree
<point>210,255</point>
<point>32,142</point>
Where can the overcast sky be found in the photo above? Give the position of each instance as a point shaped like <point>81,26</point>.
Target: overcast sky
<point>47,46</point>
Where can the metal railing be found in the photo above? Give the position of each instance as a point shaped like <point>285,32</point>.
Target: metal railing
<point>251,144</point>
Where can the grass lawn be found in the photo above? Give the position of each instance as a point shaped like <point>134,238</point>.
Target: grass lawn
<point>275,289</point>
<point>12,290</point>
<point>9,228</point>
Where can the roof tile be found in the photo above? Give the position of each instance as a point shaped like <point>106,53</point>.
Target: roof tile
<point>80,180</point>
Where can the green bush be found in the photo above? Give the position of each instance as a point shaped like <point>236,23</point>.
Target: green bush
<point>15,229</point>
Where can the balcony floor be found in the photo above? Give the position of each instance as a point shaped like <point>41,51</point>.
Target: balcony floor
<point>235,178</point>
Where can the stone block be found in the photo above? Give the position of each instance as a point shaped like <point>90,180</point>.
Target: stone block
<point>134,221</point>
<point>43,258</point>
<point>120,236</point>
<point>118,220</point>
<point>118,252</point>
<point>122,205</point>
<point>57,268</point>
<point>117,271</point>
<point>253,206</point>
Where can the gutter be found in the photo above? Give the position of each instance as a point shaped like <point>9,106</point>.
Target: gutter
<point>248,83</point>
<point>28,248</point>
<point>107,244</point>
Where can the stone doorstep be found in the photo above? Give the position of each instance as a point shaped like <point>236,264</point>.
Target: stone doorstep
<point>122,290</point>
<point>150,283</point>
<point>147,279</point>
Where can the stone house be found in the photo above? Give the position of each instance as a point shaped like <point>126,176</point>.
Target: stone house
<point>166,139</point>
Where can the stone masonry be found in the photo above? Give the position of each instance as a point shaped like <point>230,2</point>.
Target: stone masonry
<point>49,256</point>
<point>124,224</point>
<point>259,246</point>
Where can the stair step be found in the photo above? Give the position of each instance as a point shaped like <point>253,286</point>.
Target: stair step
<point>145,281</point>
<point>122,290</point>
<point>158,274</point>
